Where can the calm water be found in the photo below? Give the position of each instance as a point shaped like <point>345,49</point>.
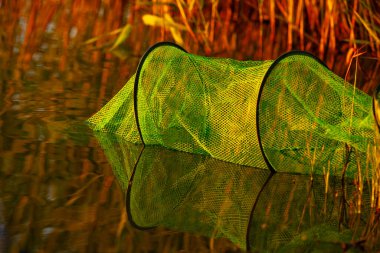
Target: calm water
<point>63,189</point>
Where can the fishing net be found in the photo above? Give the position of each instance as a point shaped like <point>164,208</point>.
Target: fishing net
<point>292,114</point>
<point>253,208</point>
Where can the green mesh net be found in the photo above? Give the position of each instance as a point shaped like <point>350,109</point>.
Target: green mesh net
<point>292,114</point>
<point>253,208</point>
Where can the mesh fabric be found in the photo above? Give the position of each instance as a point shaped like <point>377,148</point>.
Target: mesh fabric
<point>292,114</point>
<point>308,117</point>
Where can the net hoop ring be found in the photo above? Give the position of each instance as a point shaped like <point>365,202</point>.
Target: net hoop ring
<point>262,86</point>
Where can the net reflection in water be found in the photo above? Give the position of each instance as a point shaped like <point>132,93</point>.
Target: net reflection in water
<point>251,207</point>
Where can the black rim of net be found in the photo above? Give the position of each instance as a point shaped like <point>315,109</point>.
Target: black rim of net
<point>375,97</point>
<point>138,72</point>
<point>266,76</point>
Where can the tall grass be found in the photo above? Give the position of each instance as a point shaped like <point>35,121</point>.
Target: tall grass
<point>324,27</point>
<point>247,29</point>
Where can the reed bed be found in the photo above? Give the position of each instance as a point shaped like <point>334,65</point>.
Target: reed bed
<point>237,29</point>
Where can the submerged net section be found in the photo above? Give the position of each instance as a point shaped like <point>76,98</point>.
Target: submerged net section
<point>194,193</point>
<point>183,191</point>
<point>253,208</point>
<point>121,154</point>
<point>296,214</point>
<point>292,114</point>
